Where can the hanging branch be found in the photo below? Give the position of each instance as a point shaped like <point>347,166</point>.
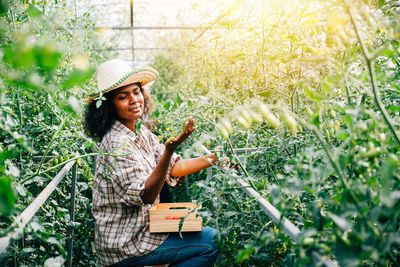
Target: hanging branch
<point>370,64</point>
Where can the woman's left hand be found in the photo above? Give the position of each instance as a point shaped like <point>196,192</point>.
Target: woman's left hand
<point>188,129</point>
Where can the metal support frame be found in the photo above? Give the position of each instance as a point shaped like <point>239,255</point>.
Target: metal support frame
<point>132,34</point>
<point>149,28</point>
<point>16,229</point>
<point>70,241</point>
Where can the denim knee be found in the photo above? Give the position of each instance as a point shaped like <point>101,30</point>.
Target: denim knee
<point>208,236</point>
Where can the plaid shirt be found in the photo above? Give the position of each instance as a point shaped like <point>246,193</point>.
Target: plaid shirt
<point>122,219</point>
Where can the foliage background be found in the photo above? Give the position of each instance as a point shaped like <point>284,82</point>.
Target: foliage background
<point>326,157</point>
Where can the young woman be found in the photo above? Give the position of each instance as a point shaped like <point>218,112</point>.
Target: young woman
<point>126,187</point>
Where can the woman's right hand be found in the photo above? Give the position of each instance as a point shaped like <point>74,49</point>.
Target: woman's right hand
<point>188,129</point>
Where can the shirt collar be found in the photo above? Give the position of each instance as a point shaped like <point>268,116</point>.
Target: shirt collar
<point>120,127</point>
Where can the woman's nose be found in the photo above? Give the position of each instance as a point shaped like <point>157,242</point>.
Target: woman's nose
<point>134,98</point>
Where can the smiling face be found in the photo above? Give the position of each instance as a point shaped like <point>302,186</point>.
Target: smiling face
<point>129,103</point>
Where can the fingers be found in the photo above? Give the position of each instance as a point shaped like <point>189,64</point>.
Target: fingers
<point>188,127</point>
<point>226,162</point>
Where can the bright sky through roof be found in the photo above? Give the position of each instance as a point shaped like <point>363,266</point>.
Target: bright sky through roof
<point>146,13</point>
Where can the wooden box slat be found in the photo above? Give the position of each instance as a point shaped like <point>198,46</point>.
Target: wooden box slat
<point>163,219</point>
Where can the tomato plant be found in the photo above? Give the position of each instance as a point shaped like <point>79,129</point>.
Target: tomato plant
<point>307,90</point>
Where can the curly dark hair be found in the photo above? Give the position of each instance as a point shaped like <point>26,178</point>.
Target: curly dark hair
<point>98,121</point>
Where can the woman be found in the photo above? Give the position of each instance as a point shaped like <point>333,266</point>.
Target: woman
<point>125,187</point>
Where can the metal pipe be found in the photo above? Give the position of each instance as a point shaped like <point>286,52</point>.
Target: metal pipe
<point>209,176</point>
<point>70,241</point>
<point>150,28</point>
<point>21,221</point>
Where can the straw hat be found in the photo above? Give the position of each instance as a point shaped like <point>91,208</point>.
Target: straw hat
<point>116,73</point>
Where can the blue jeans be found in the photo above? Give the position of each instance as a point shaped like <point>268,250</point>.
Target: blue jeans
<point>196,249</point>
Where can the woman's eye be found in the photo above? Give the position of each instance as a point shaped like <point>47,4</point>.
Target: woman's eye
<point>122,97</point>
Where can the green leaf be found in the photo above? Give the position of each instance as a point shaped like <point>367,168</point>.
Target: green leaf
<point>167,105</point>
<point>77,76</point>
<point>155,113</point>
<point>33,11</point>
<point>137,127</point>
<point>19,56</point>
<point>47,55</point>
<point>178,100</point>
<point>7,196</point>
<point>3,6</point>
<point>313,95</point>
<point>11,169</point>
<point>244,254</point>
<point>98,103</point>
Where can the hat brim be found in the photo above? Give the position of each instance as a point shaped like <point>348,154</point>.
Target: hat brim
<point>142,76</point>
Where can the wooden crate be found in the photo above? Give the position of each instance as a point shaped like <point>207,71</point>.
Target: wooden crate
<point>165,217</point>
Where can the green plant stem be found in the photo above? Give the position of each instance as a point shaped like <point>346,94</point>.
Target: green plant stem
<point>51,143</point>
<point>20,115</point>
<point>347,93</point>
<point>370,64</point>
<point>345,80</point>
<point>263,44</point>
<point>335,165</point>
<point>240,164</point>
<point>292,97</point>
<point>203,118</point>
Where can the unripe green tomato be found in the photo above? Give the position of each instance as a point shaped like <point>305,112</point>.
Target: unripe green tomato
<point>246,124</point>
<point>268,115</point>
<point>308,241</point>
<point>332,130</point>
<point>246,115</point>
<point>373,152</point>
<point>85,168</point>
<point>60,159</point>
<point>382,137</point>
<point>328,136</point>
<point>325,247</point>
<point>224,132</point>
<point>363,126</point>
<point>290,122</point>
<point>371,145</point>
<point>332,114</point>
<point>299,128</point>
<point>227,124</point>
<point>309,111</point>
<point>79,162</point>
<point>256,117</point>
<point>55,161</point>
